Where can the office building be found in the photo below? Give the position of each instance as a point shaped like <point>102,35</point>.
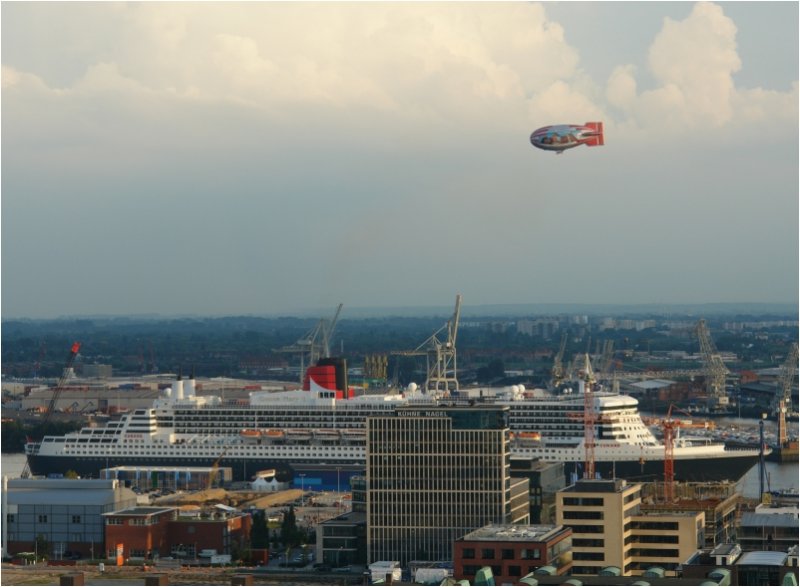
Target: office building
<point>434,474</point>
<point>609,529</point>
<point>545,480</point>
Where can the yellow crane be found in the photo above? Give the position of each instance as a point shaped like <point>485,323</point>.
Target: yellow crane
<point>212,475</point>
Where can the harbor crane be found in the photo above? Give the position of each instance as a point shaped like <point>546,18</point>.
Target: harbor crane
<point>714,369</point>
<point>315,344</point>
<point>51,406</point>
<point>782,401</point>
<point>587,381</point>
<point>558,367</point>
<point>440,355</point>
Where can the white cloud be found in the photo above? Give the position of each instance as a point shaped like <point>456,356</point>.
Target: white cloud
<point>693,62</point>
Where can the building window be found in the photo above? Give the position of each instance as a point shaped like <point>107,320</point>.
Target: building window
<point>588,556</point>
<point>10,518</point>
<point>42,518</point>
<point>581,515</point>
<point>514,571</point>
<point>487,553</point>
<point>583,501</point>
<point>76,519</point>
<point>469,553</point>
<point>530,554</point>
<point>507,554</point>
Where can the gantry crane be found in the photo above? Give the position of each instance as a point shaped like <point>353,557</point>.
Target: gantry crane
<point>441,372</point>
<point>714,369</point>
<point>315,344</point>
<point>558,366</point>
<point>73,353</point>
<point>587,381</point>
<point>782,401</point>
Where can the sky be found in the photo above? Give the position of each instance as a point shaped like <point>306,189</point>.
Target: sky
<point>266,158</point>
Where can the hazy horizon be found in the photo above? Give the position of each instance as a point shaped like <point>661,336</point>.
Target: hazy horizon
<point>222,159</point>
<point>483,310</point>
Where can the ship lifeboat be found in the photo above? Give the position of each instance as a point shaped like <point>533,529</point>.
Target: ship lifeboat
<point>250,434</point>
<point>528,437</point>
<point>298,435</point>
<point>354,434</point>
<point>274,434</point>
<point>329,435</point>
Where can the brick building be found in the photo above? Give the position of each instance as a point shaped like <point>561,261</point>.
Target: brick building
<point>146,532</point>
<point>142,531</point>
<point>512,551</point>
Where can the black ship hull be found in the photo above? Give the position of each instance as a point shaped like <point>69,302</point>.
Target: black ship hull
<point>308,474</point>
<point>730,468</point>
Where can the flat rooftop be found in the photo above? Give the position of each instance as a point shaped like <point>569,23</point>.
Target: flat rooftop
<point>762,558</point>
<point>513,532</point>
<point>599,486</point>
<point>141,511</point>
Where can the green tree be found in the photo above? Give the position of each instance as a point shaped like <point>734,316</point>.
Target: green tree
<point>42,547</point>
<point>290,534</point>
<point>259,533</point>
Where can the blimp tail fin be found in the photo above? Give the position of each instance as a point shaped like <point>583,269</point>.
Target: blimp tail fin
<point>598,139</point>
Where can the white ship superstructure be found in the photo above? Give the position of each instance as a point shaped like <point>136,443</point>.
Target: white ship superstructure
<point>316,433</point>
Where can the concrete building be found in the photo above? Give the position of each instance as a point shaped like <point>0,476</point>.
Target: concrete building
<point>512,551</point>
<point>342,540</point>
<point>545,480</point>
<point>435,474</point>
<point>769,528</point>
<point>728,563</point>
<point>609,529</point>
<point>64,514</point>
<point>718,501</point>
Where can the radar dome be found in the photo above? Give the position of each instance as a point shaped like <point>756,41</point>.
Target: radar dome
<point>412,387</point>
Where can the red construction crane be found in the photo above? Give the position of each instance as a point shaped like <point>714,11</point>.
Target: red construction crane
<point>73,353</point>
<point>669,426</point>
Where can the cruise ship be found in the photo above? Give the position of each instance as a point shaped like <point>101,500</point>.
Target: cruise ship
<point>317,435</point>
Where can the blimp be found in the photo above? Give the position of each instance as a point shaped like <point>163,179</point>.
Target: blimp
<point>561,137</point>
